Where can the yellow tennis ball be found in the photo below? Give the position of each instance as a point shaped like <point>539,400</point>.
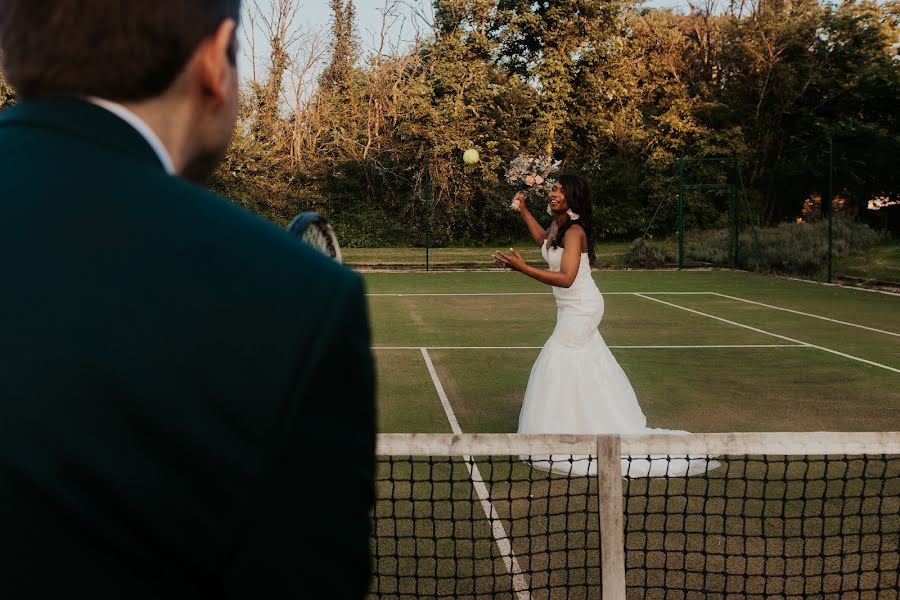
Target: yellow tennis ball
<point>470,156</point>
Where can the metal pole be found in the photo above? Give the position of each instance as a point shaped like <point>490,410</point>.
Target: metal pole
<point>680,214</point>
<point>735,217</point>
<point>426,196</point>
<point>830,204</point>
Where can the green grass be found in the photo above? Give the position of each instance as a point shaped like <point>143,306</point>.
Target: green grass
<point>755,543</point>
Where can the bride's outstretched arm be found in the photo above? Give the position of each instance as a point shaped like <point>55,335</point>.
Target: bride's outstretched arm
<point>538,233</point>
<point>568,268</point>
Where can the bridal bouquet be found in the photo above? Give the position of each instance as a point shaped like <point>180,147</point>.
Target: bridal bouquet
<point>532,173</point>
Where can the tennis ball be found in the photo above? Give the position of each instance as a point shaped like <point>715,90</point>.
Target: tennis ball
<point>470,156</point>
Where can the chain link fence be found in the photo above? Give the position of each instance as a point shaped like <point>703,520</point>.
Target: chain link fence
<point>706,218</point>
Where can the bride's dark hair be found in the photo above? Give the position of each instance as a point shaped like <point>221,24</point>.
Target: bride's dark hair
<point>578,196</point>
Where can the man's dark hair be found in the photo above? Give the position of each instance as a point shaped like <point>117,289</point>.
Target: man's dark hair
<point>120,50</point>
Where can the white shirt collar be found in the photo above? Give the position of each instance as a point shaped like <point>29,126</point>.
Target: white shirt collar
<point>142,128</point>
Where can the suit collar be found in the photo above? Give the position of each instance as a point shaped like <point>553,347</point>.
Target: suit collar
<point>141,127</point>
<point>80,118</point>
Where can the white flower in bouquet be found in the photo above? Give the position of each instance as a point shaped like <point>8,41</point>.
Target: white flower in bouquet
<point>533,174</point>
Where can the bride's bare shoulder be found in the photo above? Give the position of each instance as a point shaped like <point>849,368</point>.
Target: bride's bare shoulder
<point>575,231</point>
<point>575,234</point>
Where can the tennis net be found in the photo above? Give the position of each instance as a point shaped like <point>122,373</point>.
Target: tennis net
<point>788,515</point>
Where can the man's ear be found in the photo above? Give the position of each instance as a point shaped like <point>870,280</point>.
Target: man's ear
<point>215,59</point>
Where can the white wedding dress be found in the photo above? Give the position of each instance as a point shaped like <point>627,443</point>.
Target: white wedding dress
<point>577,387</point>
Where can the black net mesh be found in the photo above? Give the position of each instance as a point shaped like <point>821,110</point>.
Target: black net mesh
<point>437,535</point>
<point>767,526</point>
<point>749,527</point>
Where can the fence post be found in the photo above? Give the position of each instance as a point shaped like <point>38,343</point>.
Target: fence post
<point>830,204</point>
<point>735,226</point>
<point>680,214</point>
<point>426,194</point>
<point>612,521</point>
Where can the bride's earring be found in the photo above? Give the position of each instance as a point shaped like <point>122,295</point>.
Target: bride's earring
<point>549,210</point>
<point>573,216</point>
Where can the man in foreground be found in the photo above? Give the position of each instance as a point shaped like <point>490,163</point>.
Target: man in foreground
<point>186,392</point>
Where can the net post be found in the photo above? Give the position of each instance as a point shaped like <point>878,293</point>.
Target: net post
<point>612,522</point>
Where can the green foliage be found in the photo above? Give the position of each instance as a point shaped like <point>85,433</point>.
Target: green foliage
<point>338,75</point>
<point>7,95</point>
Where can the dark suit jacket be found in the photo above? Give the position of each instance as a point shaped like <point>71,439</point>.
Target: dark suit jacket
<point>186,392</point>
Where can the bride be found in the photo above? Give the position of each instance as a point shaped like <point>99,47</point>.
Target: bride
<point>576,386</point>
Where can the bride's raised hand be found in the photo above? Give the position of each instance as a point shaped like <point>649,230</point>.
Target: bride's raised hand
<point>513,259</point>
<point>518,203</point>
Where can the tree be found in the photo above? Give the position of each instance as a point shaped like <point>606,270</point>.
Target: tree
<point>799,73</point>
<point>472,104</point>
<point>338,77</point>
<point>549,45</point>
<point>7,95</point>
<point>258,171</point>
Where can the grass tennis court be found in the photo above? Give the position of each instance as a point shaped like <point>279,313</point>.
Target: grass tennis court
<point>707,351</point>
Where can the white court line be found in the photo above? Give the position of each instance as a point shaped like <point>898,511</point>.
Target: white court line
<point>764,332</point>
<point>687,347</point>
<point>539,294</point>
<point>805,314</point>
<point>509,558</point>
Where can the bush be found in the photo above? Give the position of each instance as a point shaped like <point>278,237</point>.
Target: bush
<point>366,226</point>
<point>793,248</point>
<point>709,247</point>
<point>644,254</point>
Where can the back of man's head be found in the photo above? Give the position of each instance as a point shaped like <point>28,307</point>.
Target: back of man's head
<point>120,50</point>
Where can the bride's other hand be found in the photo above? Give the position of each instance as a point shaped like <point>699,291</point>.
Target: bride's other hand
<point>513,259</point>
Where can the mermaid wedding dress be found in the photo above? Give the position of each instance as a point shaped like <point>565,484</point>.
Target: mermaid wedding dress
<point>577,387</point>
